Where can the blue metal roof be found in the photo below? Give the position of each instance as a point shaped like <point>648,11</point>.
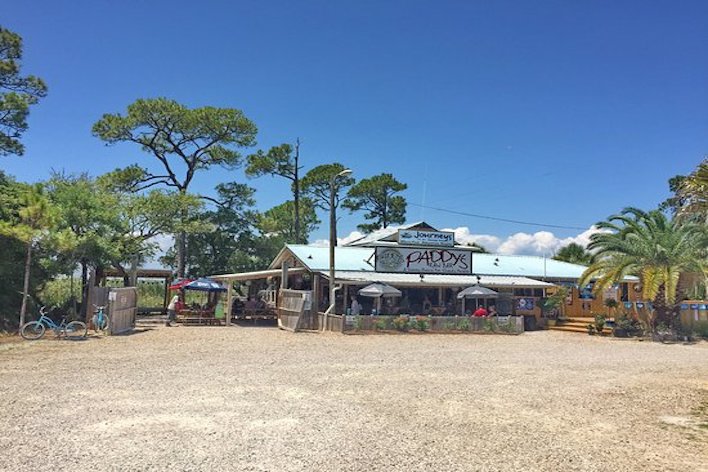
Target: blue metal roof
<point>348,258</point>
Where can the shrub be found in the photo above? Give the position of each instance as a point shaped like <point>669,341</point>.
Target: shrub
<point>464,324</point>
<point>422,323</point>
<point>401,323</point>
<point>358,323</point>
<point>701,329</point>
<point>380,324</point>
<point>488,326</point>
<point>450,325</point>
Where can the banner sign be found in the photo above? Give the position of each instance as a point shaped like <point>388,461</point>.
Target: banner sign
<point>424,261</point>
<point>426,238</point>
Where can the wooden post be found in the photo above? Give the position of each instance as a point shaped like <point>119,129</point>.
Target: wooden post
<point>315,301</point>
<point>229,295</point>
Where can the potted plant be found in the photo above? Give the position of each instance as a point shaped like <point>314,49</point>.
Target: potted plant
<point>600,323</point>
<point>550,306</point>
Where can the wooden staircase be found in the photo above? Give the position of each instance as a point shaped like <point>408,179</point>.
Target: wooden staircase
<point>578,325</point>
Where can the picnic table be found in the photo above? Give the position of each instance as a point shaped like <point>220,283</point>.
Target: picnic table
<point>197,316</point>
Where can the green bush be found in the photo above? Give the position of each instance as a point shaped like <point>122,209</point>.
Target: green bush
<point>422,323</point>
<point>380,324</point>
<point>450,325</point>
<point>358,323</point>
<point>464,324</point>
<point>401,323</point>
<point>700,328</point>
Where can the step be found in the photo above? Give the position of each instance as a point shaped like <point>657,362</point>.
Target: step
<point>576,329</point>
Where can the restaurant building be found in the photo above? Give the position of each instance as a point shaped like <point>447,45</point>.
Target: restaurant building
<point>429,267</point>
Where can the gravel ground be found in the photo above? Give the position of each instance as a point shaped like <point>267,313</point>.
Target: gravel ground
<point>257,399</point>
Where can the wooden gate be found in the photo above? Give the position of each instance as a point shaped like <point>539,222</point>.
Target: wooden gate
<point>295,310</point>
<point>121,307</point>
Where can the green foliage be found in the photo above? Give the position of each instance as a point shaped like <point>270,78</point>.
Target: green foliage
<point>600,322</point>
<point>700,328</point>
<point>17,94</point>
<point>575,254</point>
<point>422,323</point>
<point>316,184</point>
<point>650,246</point>
<point>380,323</point>
<point>401,323</point>
<point>279,221</point>
<point>464,324</point>
<point>377,196</point>
<point>196,138</point>
<point>180,138</point>
<point>450,325</point>
<point>279,160</point>
<point>358,323</point>
<point>692,193</point>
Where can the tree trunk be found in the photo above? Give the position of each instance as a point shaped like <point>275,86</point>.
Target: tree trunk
<point>84,288</point>
<point>25,286</point>
<point>182,246</point>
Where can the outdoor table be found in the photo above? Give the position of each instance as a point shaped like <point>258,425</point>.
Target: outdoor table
<point>199,316</point>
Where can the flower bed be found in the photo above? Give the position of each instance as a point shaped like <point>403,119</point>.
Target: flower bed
<point>435,324</point>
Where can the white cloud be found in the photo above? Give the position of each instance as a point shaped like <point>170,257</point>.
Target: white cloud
<point>531,244</point>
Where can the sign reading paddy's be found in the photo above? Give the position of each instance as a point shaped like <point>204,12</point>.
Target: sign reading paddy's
<point>423,260</point>
<point>426,238</point>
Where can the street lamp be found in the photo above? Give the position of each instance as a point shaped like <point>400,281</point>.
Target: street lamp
<point>332,241</point>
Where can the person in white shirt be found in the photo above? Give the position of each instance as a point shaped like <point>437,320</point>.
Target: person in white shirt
<point>172,310</point>
<point>355,307</point>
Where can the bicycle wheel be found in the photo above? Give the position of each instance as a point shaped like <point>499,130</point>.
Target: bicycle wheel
<point>75,330</point>
<point>32,331</point>
<point>101,325</point>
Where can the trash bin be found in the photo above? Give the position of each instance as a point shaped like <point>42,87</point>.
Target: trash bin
<point>530,323</point>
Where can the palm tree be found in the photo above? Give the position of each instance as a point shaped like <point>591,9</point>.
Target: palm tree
<point>574,253</point>
<point>652,247</point>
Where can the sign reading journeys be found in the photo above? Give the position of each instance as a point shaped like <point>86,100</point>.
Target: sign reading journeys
<point>423,260</point>
<point>426,238</point>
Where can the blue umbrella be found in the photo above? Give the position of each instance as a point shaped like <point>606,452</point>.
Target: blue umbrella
<point>204,285</point>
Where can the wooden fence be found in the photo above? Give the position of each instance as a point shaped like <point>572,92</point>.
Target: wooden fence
<point>438,324</point>
<point>121,307</point>
<point>334,322</point>
<point>294,310</point>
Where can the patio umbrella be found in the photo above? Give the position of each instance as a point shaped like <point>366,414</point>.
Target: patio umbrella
<point>378,290</point>
<point>476,291</point>
<point>204,285</point>
<point>179,284</point>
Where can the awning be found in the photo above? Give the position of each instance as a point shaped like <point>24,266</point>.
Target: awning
<point>434,280</point>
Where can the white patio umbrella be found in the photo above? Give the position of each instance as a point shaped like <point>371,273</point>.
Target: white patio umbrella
<point>379,290</point>
<point>476,291</point>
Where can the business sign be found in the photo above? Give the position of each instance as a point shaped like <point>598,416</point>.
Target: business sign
<point>426,238</point>
<point>423,260</point>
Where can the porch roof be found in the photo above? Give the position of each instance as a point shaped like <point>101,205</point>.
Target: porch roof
<point>433,280</point>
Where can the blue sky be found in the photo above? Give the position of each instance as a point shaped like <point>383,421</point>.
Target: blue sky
<point>556,112</point>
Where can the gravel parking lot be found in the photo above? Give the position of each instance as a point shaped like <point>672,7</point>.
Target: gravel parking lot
<point>256,399</point>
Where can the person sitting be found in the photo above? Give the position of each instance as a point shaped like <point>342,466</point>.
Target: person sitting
<point>480,312</point>
<point>251,304</point>
<point>493,311</point>
<point>260,304</point>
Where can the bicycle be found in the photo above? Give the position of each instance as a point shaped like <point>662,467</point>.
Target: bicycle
<point>100,320</point>
<point>34,330</point>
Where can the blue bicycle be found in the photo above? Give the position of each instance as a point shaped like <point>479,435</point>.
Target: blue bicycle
<point>100,320</point>
<point>35,329</point>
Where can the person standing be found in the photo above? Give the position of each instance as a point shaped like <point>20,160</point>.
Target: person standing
<point>172,310</point>
<point>355,307</point>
